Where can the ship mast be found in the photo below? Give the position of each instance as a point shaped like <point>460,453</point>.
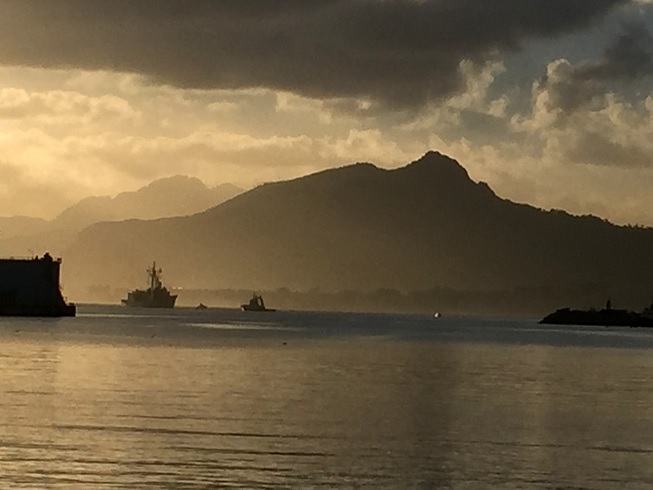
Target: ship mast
<point>153,273</point>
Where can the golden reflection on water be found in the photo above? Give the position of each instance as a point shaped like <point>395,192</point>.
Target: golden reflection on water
<point>361,412</point>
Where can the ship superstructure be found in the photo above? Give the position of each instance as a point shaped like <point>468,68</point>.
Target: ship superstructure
<point>255,304</point>
<point>155,296</point>
<point>30,287</point>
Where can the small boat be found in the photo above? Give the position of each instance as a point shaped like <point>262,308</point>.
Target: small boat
<point>437,314</point>
<point>255,304</point>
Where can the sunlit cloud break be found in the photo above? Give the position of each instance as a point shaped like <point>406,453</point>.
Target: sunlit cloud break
<point>549,102</point>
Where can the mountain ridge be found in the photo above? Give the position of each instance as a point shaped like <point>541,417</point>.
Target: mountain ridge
<point>169,196</point>
<point>360,227</point>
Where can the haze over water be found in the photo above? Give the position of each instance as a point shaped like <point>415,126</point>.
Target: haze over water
<point>126,398</point>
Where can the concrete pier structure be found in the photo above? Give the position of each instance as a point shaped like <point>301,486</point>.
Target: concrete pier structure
<point>30,287</point>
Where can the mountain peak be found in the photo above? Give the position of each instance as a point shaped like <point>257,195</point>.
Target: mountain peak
<point>438,161</point>
<point>436,167</point>
<point>174,183</point>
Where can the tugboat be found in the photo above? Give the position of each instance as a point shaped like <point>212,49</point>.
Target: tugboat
<point>255,304</point>
<point>155,296</point>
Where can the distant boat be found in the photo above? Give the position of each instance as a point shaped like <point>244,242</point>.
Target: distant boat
<point>437,314</point>
<point>155,296</point>
<point>255,304</point>
<point>30,287</point>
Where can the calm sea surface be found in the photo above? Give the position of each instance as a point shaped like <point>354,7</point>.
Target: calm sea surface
<point>129,398</point>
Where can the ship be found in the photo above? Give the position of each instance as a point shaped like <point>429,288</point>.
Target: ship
<point>255,304</point>
<point>155,296</point>
<point>30,287</point>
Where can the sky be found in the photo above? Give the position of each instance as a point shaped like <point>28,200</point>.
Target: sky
<point>548,101</point>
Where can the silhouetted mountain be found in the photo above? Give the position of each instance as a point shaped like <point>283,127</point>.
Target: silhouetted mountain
<point>172,196</point>
<point>359,227</point>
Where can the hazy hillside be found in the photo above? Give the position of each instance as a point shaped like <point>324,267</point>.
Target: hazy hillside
<point>172,196</point>
<point>359,227</point>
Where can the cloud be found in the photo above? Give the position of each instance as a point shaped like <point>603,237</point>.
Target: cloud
<point>629,58</point>
<point>597,149</point>
<point>248,92</point>
<point>23,195</point>
<point>62,107</point>
<point>569,87</point>
<point>397,52</point>
<point>108,132</point>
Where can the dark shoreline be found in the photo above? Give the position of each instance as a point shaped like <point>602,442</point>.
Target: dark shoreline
<point>606,317</point>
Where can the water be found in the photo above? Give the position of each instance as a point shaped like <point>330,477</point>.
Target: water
<point>122,398</point>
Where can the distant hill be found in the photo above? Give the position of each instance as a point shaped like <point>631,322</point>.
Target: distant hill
<point>171,196</point>
<point>359,227</point>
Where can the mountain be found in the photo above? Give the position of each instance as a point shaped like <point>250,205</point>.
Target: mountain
<point>359,227</point>
<point>171,196</point>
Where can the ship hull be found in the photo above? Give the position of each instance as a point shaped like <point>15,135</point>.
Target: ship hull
<point>146,299</point>
<point>147,304</point>
<point>255,308</point>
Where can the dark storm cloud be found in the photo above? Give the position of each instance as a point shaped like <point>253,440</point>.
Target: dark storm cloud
<point>628,59</point>
<point>400,52</point>
<point>597,149</point>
